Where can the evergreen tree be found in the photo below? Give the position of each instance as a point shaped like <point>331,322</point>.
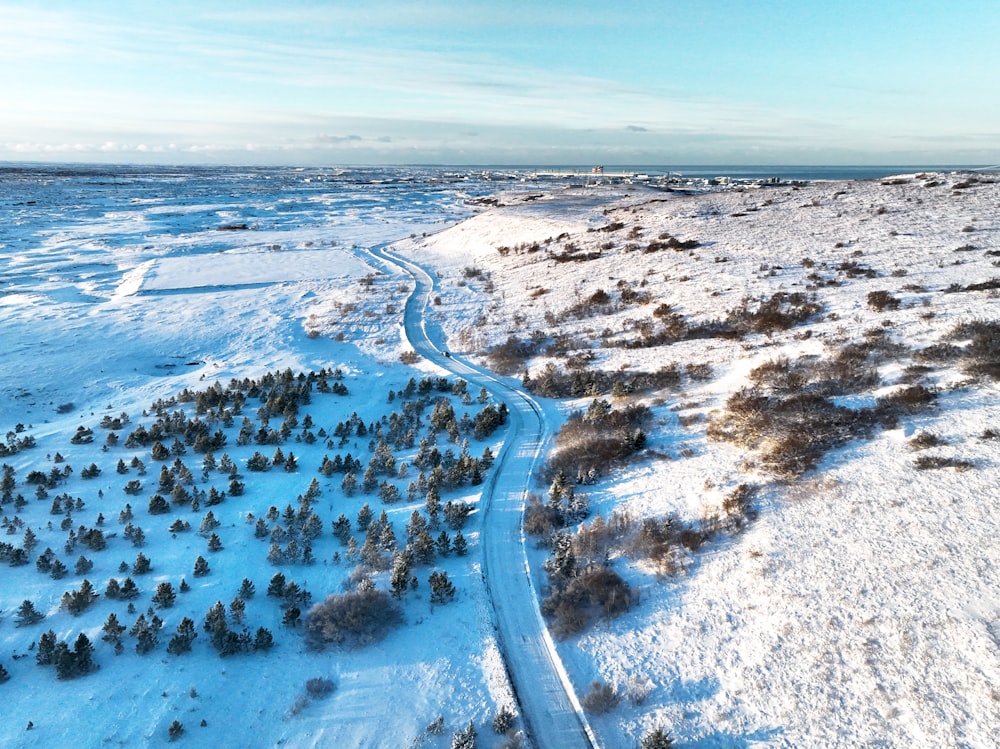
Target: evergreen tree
<point>503,721</point>
<point>291,616</point>
<point>364,518</point>
<point>237,609</point>
<point>263,640</point>
<point>142,565</point>
<point>349,484</point>
<point>342,529</point>
<point>442,589</point>
<point>83,652</point>
<point>276,586</point>
<point>460,545</point>
<point>464,739</point>
<point>423,547</point>
<point>208,523</point>
<point>657,739</point>
<point>129,590</point>
<point>180,643</point>
<point>247,589</point>
<point>46,648</point>
<point>112,629</point>
<point>214,543</point>
<point>399,578</point>
<point>27,614</point>
<point>443,544</point>
<point>83,565</point>
<point>201,567</point>
<point>176,730</point>
<point>4,676</point>
<point>165,596</point>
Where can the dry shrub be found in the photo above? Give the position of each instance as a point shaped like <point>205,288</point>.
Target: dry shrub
<point>780,312</point>
<point>509,357</point>
<point>600,699</point>
<point>882,300</point>
<point>923,440</point>
<point>352,619</point>
<point>596,592</point>
<point>790,434</point>
<point>317,688</point>
<point>585,445</point>
<point>908,400</point>
<point>982,355</point>
<point>927,462</point>
<point>540,519</point>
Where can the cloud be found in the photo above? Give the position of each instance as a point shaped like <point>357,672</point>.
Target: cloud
<point>338,138</point>
<point>637,128</point>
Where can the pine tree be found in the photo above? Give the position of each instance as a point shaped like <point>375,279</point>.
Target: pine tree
<point>208,523</point>
<point>503,721</point>
<point>165,596</point>
<point>276,586</point>
<point>112,629</point>
<point>83,651</point>
<point>657,739</point>
<point>443,544</point>
<point>460,545</point>
<point>247,589</point>
<point>364,518</point>
<point>176,730</point>
<point>129,590</point>
<point>142,565</point>
<point>46,648</point>
<point>464,739</point>
<point>237,609</point>
<point>263,640</point>
<point>83,565</point>
<point>214,543</point>
<point>4,676</point>
<point>342,529</point>
<point>399,578</point>
<point>442,589</point>
<point>27,614</point>
<point>201,567</point>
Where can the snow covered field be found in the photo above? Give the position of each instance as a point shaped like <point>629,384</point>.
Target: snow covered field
<point>859,608</point>
<point>854,603</point>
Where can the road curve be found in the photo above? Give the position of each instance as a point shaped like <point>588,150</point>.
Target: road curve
<point>549,708</point>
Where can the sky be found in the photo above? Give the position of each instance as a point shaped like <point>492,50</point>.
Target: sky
<point>542,82</point>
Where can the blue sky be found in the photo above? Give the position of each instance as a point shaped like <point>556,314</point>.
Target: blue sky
<point>502,82</point>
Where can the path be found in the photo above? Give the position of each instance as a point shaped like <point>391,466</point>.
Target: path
<point>549,708</point>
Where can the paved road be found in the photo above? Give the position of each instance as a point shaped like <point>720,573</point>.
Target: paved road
<point>549,708</point>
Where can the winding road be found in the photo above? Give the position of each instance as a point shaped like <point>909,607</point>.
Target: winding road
<point>548,705</point>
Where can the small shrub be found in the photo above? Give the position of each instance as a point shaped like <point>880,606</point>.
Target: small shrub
<point>923,440</point>
<point>928,462</point>
<point>601,698</point>
<point>319,688</point>
<point>882,300</point>
<point>355,618</point>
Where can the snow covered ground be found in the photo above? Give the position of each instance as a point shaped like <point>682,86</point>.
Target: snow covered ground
<point>858,606</point>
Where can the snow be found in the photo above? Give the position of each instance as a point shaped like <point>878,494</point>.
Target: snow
<point>859,607</point>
